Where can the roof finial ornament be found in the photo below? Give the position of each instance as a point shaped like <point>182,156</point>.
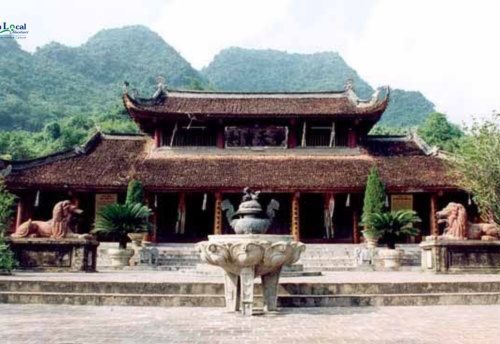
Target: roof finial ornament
<point>349,85</point>
<point>125,86</point>
<point>160,86</point>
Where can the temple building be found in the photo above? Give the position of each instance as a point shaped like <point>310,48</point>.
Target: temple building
<point>311,152</point>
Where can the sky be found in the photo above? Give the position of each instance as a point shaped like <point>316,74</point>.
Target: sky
<point>447,49</point>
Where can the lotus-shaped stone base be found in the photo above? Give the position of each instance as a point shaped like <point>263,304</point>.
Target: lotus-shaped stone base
<point>243,257</point>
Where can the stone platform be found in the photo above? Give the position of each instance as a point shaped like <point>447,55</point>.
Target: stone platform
<point>46,254</point>
<point>168,289</point>
<point>461,256</point>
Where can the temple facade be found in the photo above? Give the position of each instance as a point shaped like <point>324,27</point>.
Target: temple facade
<point>311,152</point>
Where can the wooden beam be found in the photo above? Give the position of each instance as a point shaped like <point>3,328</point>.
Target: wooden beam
<point>432,216</point>
<point>295,228</point>
<point>218,214</point>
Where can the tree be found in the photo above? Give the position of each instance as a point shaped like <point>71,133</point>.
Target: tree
<point>374,201</point>
<point>438,131</point>
<point>7,201</point>
<point>478,164</point>
<point>135,193</point>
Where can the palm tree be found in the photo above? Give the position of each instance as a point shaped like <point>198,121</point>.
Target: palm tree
<point>121,219</point>
<point>393,225</point>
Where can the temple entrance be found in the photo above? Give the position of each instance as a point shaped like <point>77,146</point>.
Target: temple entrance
<point>184,217</point>
<point>327,218</point>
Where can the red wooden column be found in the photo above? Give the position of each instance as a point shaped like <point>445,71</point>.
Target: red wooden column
<point>432,216</point>
<point>295,228</point>
<point>355,227</point>
<point>158,137</point>
<point>220,135</point>
<point>19,212</point>
<point>352,138</point>
<point>218,214</point>
<point>292,133</point>
<point>150,201</point>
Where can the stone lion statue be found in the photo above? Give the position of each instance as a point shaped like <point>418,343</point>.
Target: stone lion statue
<point>57,228</point>
<point>458,227</point>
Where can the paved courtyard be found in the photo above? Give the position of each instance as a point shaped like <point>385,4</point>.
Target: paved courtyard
<point>92,324</point>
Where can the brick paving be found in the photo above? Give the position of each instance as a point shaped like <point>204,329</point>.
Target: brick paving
<point>91,324</point>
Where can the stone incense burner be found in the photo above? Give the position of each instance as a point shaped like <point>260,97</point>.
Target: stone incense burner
<point>250,253</point>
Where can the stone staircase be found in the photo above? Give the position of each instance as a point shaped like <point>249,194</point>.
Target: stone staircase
<point>346,257</point>
<point>211,294</point>
<point>316,258</point>
<point>165,257</point>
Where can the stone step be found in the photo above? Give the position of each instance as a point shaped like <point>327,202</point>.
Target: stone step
<point>177,262</point>
<point>217,288</point>
<point>102,299</point>
<point>378,300</point>
<point>179,256</point>
<point>193,300</point>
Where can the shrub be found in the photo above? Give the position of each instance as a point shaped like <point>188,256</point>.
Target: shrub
<point>394,225</point>
<point>121,219</point>
<point>374,201</point>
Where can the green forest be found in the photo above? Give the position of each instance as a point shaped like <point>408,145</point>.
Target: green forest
<point>58,96</point>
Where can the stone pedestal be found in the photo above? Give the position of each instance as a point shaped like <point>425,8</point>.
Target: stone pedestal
<point>246,256</point>
<point>45,254</point>
<point>391,258</point>
<point>460,256</point>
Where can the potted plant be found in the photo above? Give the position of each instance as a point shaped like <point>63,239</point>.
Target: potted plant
<point>135,194</point>
<point>393,226</point>
<point>120,220</point>
<point>371,236</point>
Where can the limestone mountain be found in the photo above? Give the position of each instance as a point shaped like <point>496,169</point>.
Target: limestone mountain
<point>57,81</point>
<point>237,69</point>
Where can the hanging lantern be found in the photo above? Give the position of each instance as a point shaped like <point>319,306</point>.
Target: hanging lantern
<point>386,201</point>
<point>156,201</point>
<point>348,201</point>
<point>469,200</point>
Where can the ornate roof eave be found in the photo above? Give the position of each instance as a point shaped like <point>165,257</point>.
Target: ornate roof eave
<point>155,108</point>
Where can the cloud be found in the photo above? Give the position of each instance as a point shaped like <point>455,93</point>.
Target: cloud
<point>446,49</point>
<point>72,22</point>
<point>200,29</point>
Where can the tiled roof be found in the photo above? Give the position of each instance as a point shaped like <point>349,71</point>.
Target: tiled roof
<point>343,104</point>
<point>111,160</point>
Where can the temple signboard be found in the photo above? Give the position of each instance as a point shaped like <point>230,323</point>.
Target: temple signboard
<point>402,202</point>
<point>256,136</point>
<point>103,199</point>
